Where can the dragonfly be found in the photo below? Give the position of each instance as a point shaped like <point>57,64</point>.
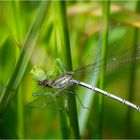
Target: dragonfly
<point>64,81</point>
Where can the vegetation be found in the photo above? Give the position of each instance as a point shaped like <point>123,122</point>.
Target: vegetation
<point>75,33</point>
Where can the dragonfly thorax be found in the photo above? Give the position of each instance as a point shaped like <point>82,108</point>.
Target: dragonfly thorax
<point>62,81</point>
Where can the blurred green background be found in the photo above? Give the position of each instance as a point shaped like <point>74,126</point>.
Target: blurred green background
<point>36,32</point>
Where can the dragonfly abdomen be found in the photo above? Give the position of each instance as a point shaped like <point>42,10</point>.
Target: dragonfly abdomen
<point>106,93</point>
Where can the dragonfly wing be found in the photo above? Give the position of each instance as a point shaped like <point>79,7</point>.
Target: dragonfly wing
<point>112,63</point>
<point>46,101</point>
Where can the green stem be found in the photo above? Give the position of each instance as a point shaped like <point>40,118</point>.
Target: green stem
<point>106,10</point>
<point>62,114</point>
<point>20,118</point>
<point>132,78</point>
<point>68,65</point>
<point>28,46</point>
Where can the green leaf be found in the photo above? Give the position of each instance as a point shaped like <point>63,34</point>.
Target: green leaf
<point>26,52</point>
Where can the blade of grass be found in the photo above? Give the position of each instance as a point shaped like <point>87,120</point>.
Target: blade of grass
<point>20,110</point>
<point>23,60</point>
<point>62,114</point>
<point>68,64</point>
<point>84,114</point>
<point>20,127</point>
<point>96,121</point>
<point>132,79</point>
<point>106,9</point>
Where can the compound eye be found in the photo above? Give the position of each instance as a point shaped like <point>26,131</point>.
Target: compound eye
<point>40,83</point>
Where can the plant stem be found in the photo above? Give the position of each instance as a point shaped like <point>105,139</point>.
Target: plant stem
<point>68,64</point>
<point>106,10</point>
<point>28,46</point>
<point>20,118</point>
<point>132,78</point>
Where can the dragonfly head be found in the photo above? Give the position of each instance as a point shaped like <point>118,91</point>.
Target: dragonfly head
<point>44,83</point>
<point>38,73</point>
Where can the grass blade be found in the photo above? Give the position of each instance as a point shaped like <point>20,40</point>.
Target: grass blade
<point>20,116</point>
<point>132,79</point>
<point>23,60</point>
<point>99,115</point>
<point>68,64</point>
<point>60,68</point>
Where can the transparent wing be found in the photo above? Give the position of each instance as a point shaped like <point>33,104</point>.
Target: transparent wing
<point>123,58</point>
<point>47,100</point>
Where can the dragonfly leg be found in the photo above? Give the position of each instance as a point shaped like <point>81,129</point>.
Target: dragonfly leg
<point>42,94</point>
<point>69,91</point>
<point>72,92</point>
<point>84,107</point>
